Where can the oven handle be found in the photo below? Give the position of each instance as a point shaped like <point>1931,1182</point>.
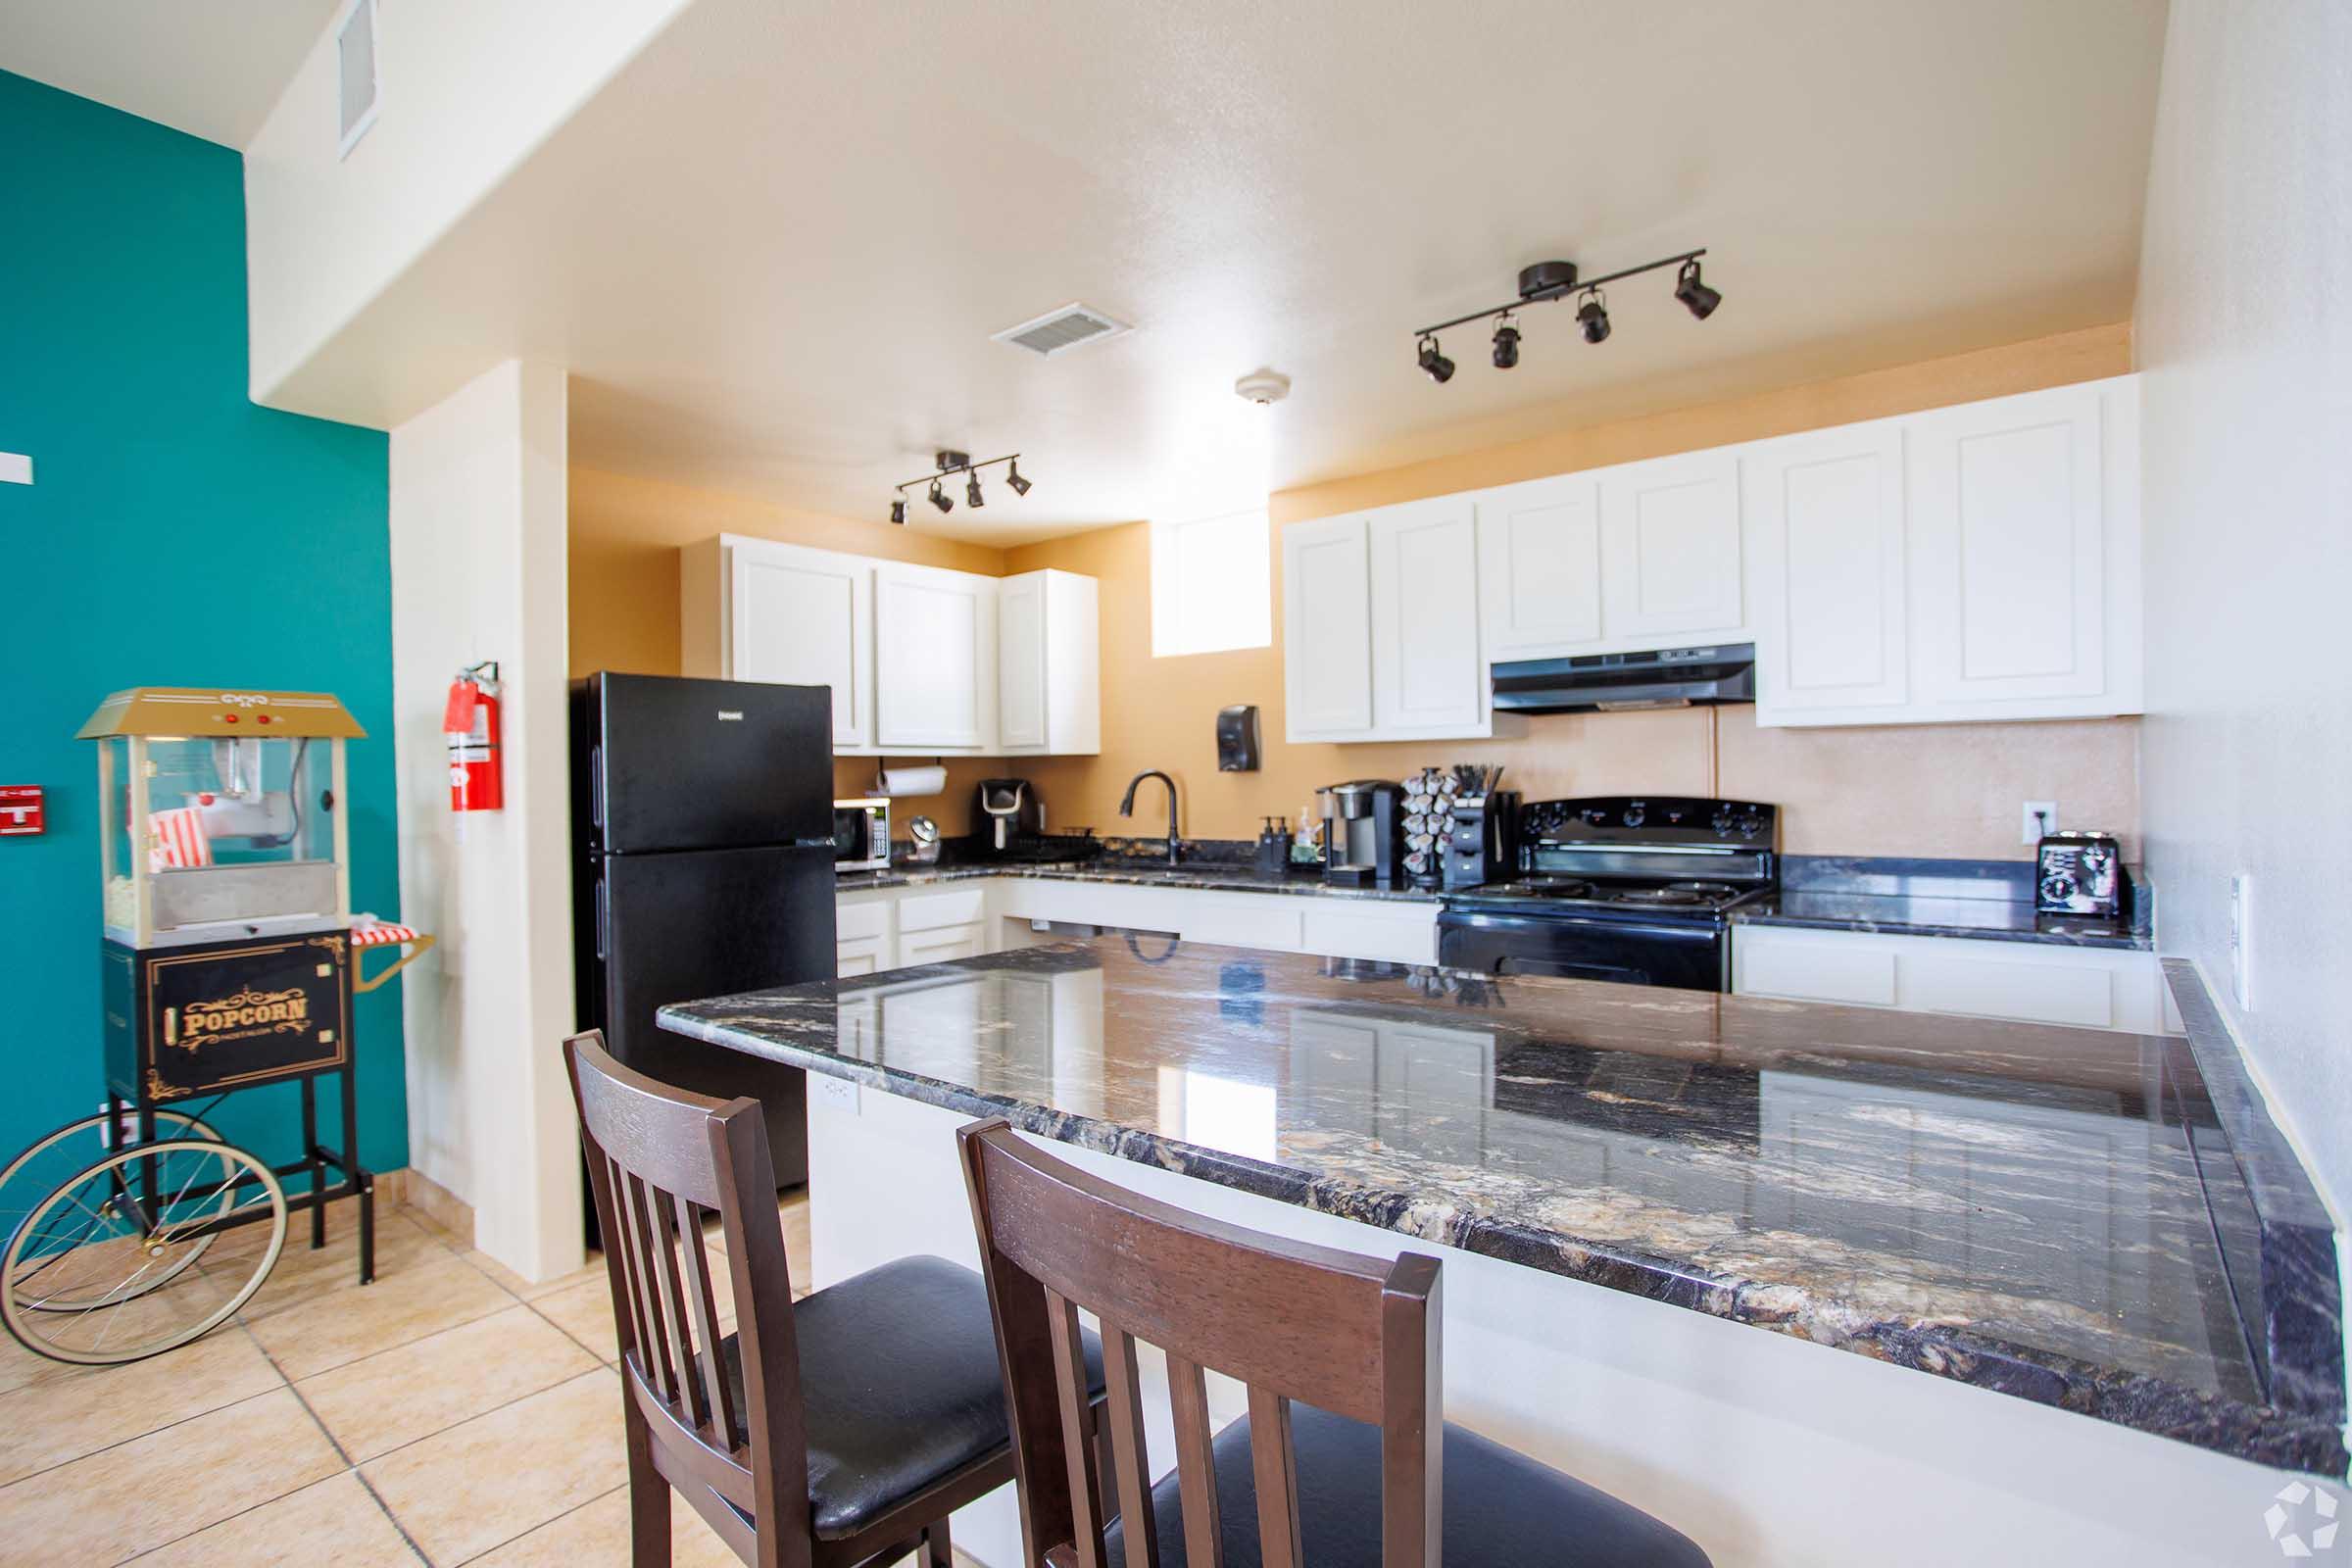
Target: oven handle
<point>1481,920</point>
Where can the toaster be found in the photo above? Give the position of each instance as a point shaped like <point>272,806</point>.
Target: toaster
<point>2080,875</point>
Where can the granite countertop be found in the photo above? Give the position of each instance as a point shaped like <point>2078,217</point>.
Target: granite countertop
<point>1133,873</point>
<point>2026,1209</point>
<point>1990,900</point>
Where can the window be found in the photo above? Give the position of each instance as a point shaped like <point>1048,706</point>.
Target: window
<point>1211,584</point>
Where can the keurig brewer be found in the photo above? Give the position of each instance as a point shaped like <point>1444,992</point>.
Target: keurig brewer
<point>1363,831</point>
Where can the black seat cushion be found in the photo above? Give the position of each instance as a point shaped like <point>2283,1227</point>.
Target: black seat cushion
<point>1499,1506</point>
<point>898,1378</point>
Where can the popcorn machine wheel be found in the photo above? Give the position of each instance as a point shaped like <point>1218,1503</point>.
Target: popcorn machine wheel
<point>229,961</point>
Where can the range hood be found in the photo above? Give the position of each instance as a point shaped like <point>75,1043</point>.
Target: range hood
<point>1671,677</point>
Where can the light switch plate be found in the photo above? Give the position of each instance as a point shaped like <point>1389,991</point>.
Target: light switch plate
<point>2033,825</point>
<point>834,1094</point>
<point>2241,940</point>
<point>15,468</point>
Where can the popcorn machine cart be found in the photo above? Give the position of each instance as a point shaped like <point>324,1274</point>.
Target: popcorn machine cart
<point>230,959</point>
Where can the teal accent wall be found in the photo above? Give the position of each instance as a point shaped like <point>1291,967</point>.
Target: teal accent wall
<point>175,534</point>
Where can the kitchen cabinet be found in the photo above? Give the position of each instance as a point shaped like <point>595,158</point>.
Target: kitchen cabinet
<point>754,610</point>
<point>1428,677</point>
<point>935,666</point>
<point>1049,686</point>
<point>1327,630</point>
<point>1827,536</point>
<point>864,934</point>
<point>1381,626</point>
<point>1670,550</point>
<point>920,660</point>
<point>2025,554</point>
<point>1539,566</point>
<point>2087,988</point>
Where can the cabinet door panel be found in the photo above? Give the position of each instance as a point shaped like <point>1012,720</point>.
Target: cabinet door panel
<point>1021,660</point>
<point>2009,566</point>
<point>1427,675</point>
<point>1327,630</point>
<point>938,947</point>
<point>1539,566</point>
<point>1670,547</point>
<point>805,618</point>
<point>935,633</point>
<point>1825,523</point>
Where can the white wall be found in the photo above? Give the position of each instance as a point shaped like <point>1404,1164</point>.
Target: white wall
<point>466,91</point>
<point>479,523</point>
<point>2244,330</point>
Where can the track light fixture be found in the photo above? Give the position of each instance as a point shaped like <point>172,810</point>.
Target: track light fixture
<point>1547,281</point>
<point>1439,367</point>
<point>1593,316</point>
<point>950,464</point>
<point>1506,342</point>
<point>1699,299</point>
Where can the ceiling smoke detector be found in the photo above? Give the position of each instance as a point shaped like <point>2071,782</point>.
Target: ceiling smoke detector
<point>1056,331</point>
<point>1263,387</point>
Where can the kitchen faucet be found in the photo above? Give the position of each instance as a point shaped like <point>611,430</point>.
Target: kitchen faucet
<point>1127,809</point>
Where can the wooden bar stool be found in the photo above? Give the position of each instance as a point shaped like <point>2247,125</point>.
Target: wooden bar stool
<point>1359,1472</point>
<point>836,1432</point>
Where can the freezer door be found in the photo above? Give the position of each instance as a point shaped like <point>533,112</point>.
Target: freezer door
<point>705,924</point>
<point>690,764</point>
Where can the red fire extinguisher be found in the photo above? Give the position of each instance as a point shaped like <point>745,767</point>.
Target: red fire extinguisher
<point>470,722</point>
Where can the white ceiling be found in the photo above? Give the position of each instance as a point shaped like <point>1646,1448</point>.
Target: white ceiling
<point>772,250</point>
<point>211,68</point>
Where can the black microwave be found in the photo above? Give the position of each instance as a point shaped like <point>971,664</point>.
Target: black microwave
<point>861,835</point>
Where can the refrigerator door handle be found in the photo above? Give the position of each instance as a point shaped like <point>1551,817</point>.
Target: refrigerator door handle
<point>596,786</point>
<point>604,914</point>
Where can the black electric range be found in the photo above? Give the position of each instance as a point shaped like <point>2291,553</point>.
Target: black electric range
<point>1634,889</point>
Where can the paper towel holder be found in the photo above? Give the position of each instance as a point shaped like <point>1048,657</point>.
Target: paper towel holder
<point>938,761</point>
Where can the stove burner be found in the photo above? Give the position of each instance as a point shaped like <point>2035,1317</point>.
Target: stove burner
<point>1554,887</point>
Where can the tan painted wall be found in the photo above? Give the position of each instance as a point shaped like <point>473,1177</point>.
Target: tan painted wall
<point>1902,790</point>
<point>625,537</point>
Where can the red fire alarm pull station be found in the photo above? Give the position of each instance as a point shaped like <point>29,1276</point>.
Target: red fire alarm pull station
<point>20,809</point>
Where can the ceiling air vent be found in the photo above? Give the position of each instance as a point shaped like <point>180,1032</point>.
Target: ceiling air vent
<point>1062,329</point>
<point>355,72</point>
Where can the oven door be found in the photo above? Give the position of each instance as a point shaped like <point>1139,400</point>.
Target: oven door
<point>1578,947</point>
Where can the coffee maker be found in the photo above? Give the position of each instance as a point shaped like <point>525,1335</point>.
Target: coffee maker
<point>1006,814</point>
<point>1363,831</point>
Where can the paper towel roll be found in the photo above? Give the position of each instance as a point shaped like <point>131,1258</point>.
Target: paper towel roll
<point>914,780</point>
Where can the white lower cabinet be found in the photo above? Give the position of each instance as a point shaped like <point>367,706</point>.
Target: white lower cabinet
<point>2087,988</point>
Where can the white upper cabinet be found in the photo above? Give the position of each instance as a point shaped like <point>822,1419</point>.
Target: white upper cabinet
<point>1825,540</point>
<point>935,666</point>
<point>1327,630</point>
<point>753,609</point>
<point>2025,539</point>
<point>1381,625</point>
<point>1670,549</point>
<point>1539,566</point>
<point>1427,678</point>
<point>1049,690</point>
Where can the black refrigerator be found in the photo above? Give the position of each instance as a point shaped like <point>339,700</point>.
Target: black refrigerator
<point>704,815</point>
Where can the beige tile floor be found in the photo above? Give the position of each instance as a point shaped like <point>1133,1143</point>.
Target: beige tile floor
<point>449,1413</point>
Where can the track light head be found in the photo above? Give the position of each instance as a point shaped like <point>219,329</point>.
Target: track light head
<point>971,489</point>
<point>898,510</point>
<point>1699,299</point>
<point>940,498</point>
<point>1593,316</point>
<point>1013,477</point>
<point>1440,369</point>
<point>1506,344</point>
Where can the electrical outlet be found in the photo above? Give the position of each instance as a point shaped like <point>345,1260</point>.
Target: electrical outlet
<point>2040,816</point>
<point>2241,940</point>
<point>834,1094</point>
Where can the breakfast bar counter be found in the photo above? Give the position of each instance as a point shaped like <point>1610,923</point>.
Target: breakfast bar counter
<point>2029,1211</point>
